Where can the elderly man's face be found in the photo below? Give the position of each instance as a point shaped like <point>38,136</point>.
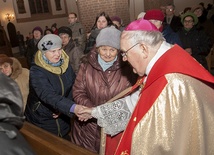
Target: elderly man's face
<point>132,52</point>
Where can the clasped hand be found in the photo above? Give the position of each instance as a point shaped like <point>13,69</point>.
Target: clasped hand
<point>83,113</point>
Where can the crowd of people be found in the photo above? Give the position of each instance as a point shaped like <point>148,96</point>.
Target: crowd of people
<point>144,88</point>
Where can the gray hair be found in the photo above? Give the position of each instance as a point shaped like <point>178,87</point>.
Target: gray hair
<point>151,38</point>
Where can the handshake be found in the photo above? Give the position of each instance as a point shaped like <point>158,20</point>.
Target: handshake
<point>82,112</point>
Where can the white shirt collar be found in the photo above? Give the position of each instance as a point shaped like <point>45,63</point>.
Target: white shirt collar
<point>163,48</point>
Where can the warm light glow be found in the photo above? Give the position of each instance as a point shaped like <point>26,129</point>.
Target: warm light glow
<point>9,17</point>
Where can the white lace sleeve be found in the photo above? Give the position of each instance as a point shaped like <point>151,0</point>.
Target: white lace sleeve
<point>114,116</point>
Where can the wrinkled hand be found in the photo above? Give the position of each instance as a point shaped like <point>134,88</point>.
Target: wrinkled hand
<point>83,113</point>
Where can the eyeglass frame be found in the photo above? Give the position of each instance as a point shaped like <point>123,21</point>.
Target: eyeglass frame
<point>188,21</point>
<point>170,9</point>
<point>124,54</point>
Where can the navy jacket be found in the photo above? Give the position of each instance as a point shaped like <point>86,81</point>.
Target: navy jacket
<point>50,94</point>
<point>170,36</point>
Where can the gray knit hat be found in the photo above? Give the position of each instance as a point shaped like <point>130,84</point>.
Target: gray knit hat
<point>49,42</point>
<point>109,36</point>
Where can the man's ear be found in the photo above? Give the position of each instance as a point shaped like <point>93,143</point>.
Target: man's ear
<point>145,51</point>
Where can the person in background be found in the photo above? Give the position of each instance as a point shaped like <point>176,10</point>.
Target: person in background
<point>210,14</point>
<point>74,52</point>
<point>205,11</point>
<point>22,48</point>
<point>11,119</point>
<point>166,111</point>
<point>30,35</point>
<point>118,22</point>
<point>12,68</point>
<point>156,17</point>
<point>54,28</point>
<point>101,76</point>
<point>78,31</point>
<point>163,9</point>
<point>28,38</point>
<point>203,23</point>
<point>102,20</point>
<point>196,42</point>
<point>171,19</point>
<point>187,9</point>
<point>50,105</point>
<point>48,31</point>
<point>32,44</point>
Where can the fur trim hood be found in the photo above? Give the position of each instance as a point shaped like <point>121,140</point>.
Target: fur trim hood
<point>17,68</point>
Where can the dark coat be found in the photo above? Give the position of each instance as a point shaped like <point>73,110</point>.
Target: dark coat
<point>13,146</point>
<point>91,40</point>
<point>170,36</point>
<point>93,87</point>
<point>11,119</point>
<point>75,53</point>
<point>198,41</point>
<point>207,26</point>
<point>31,51</point>
<point>50,93</point>
<point>175,24</point>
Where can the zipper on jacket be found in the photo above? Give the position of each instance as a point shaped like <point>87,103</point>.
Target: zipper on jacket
<point>62,85</point>
<point>58,128</point>
<point>57,121</point>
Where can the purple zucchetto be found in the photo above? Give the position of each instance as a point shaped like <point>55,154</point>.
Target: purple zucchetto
<point>141,25</point>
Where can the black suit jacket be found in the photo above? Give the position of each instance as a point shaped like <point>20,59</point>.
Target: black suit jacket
<point>175,23</point>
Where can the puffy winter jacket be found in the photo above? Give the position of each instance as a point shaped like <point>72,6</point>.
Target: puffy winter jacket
<point>93,87</point>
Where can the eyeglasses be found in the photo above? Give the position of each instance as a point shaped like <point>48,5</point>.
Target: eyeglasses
<point>124,54</point>
<point>188,21</point>
<point>169,9</point>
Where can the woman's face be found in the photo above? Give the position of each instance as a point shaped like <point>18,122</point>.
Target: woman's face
<point>198,12</point>
<point>54,55</point>
<point>53,29</point>
<point>188,22</point>
<point>102,22</point>
<point>6,68</point>
<point>37,34</point>
<point>65,39</point>
<point>107,53</point>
